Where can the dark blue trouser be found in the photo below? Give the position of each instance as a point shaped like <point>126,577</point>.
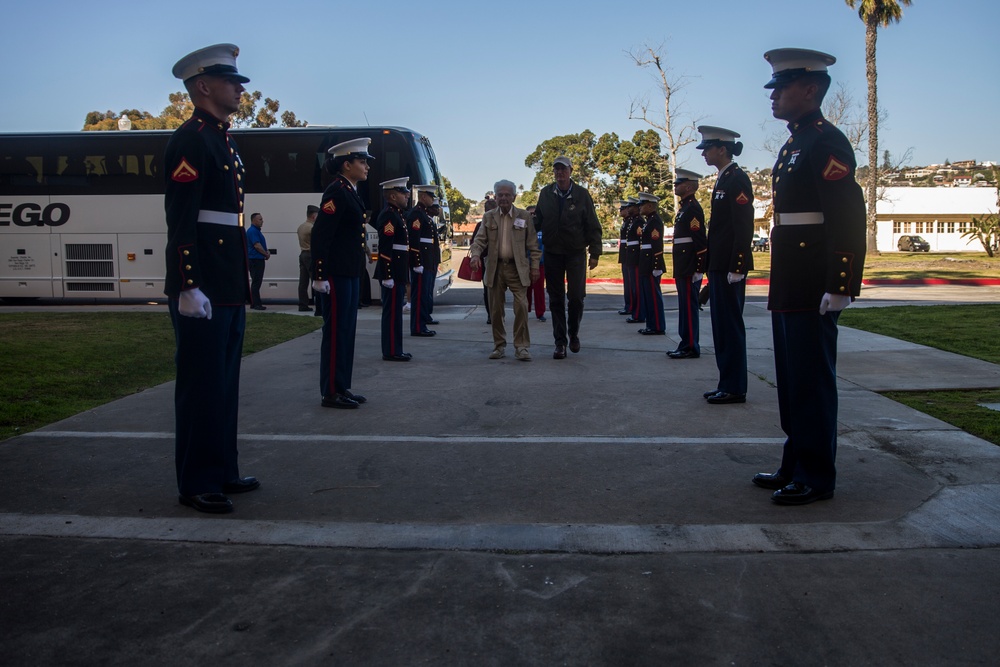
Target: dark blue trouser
<point>421,299</point>
<point>627,288</point>
<point>729,334</point>
<point>431,271</point>
<point>566,279</point>
<point>652,302</point>
<point>207,397</point>
<point>687,314</point>
<point>805,363</point>
<point>340,323</point>
<point>638,312</point>
<point>392,319</point>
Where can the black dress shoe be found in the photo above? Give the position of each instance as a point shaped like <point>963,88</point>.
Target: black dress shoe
<point>305,309</point>
<point>397,357</point>
<point>652,332</point>
<point>624,312</point>
<point>684,354</point>
<point>424,334</point>
<point>721,398</point>
<point>632,320</point>
<point>257,308</point>
<point>357,398</point>
<point>432,321</point>
<point>798,493</point>
<point>574,344</point>
<point>241,485</point>
<point>213,503</point>
<point>770,480</point>
<point>560,352</point>
<point>541,318</point>
<point>339,401</point>
<point>709,394</point>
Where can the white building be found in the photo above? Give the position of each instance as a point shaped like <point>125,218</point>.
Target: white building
<point>940,215</point>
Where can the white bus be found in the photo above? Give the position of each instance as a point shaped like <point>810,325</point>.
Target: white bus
<point>81,213</point>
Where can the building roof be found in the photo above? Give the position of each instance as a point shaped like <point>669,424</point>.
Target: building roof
<point>937,201</point>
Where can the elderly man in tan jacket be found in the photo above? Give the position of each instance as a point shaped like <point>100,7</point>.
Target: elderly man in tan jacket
<point>512,262</point>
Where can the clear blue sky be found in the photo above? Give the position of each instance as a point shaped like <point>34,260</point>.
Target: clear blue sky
<point>487,82</point>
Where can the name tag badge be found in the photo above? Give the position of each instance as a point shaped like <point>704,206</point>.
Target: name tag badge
<point>519,223</point>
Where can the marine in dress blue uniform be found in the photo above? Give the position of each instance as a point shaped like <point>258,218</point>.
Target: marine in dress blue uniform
<point>338,258</point>
<point>689,252</point>
<point>817,260</point>
<point>729,260</point>
<point>206,280</point>
<point>425,255</point>
<point>651,265</point>
<point>393,268</point>
<point>623,206</point>
<point>632,240</point>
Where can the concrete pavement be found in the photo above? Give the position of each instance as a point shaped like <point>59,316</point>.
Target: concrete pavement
<point>588,511</point>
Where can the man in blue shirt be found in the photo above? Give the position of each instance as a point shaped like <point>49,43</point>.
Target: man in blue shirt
<point>257,254</point>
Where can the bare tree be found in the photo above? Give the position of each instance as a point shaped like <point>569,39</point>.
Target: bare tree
<point>676,133</point>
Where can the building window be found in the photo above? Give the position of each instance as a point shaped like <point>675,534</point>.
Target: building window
<point>907,227</point>
<point>963,226</point>
<point>897,227</point>
<point>950,227</point>
<point>919,228</point>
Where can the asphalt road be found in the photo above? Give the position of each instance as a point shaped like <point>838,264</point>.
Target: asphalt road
<point>474,512</point>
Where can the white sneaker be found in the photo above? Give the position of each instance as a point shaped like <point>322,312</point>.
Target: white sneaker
<point>497,354</point>
<point>406,307</point>
<point>523,354</point>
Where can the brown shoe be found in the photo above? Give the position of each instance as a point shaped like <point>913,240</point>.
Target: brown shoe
<point>560,352</point>
<point>574,344</point>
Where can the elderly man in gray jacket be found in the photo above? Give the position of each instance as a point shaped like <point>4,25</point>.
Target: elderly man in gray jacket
<point>512,263</point>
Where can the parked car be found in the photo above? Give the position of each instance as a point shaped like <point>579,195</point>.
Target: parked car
<point>760,243</point>
<point>913,244</point>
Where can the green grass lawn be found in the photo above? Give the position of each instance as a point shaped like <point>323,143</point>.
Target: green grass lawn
<point>972,330</point>
<point>55,365</point>
<point>889,265</point>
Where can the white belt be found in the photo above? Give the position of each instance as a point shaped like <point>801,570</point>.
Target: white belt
<point>646,246</point>
<point>632,243</point>
<point>219,218</point>
<point>425,240</point>
<point>683,239</point>
<point>798,218</point>
<point>400,246</point>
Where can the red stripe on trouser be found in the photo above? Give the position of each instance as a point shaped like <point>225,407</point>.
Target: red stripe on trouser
<point>688,296</point>
<point>654,294</point>
<point>333,338</point>
<point>392,321</point>
<point>420,291</point>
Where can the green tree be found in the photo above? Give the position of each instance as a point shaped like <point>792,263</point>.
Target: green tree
<point>181,108</point>
<point>457,203</point>
<point>986,228</point>
<point>874,14</point>
<point>578,147</point>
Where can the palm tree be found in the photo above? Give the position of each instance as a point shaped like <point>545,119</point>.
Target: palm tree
<point>874,14</point>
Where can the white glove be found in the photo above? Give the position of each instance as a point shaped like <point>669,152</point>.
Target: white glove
<point>389,284</point>
<point>734,277</point>
<point>194,303</point>
<point>321,286</point>
<point>418,269</point>
<point>696,278</point>
<point>833,303</point>
<point>657,273</point>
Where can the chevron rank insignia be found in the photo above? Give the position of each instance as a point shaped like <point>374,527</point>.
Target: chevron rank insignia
<point>416,224</point>
<point>835,170</point>
<point>695,223</point>
<point>389,229</point>
<point>742,199</point>
<point>184,173</point>
<point>329,207</point>
<point>655,234</point>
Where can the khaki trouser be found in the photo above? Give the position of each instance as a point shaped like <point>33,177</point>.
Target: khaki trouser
<point>507,278</point>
